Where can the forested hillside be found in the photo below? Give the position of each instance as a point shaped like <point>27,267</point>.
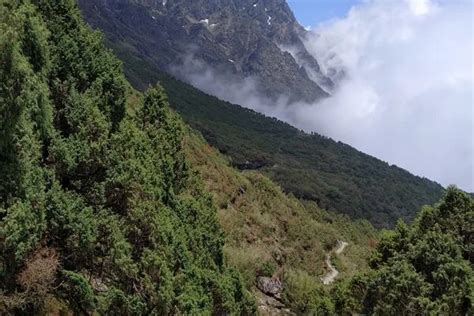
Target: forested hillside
<point>100,212</point>
<point>422,269</point>
<point>335,175</point>
<point>103,209</point>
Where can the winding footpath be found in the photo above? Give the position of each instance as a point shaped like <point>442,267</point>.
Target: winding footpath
<point>332,274</point>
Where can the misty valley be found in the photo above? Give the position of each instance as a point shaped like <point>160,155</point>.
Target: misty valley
<point>236,157</point>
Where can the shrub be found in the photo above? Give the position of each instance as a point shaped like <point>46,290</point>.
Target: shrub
<point>78,292</point>
<point>267,269</point>
<point>305,294</point>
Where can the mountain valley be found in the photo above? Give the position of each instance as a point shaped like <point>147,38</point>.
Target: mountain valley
<point>125,190</point>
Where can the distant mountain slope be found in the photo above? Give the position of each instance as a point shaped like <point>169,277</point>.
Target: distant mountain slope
<point>337,176</point>
<point>238,38</point>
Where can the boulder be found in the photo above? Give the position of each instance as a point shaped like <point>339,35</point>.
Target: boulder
<point>270,286</point>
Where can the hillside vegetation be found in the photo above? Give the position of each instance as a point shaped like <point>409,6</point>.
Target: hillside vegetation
<point>422,269</point>
<point>267,228</point>
<point>100,212</point>
<point>310,166</point>
<point>103,209</point>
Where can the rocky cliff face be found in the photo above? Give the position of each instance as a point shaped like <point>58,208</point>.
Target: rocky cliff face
<point>241,38</point>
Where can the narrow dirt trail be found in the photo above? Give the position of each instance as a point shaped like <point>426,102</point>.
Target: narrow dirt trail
<point>333,273</point>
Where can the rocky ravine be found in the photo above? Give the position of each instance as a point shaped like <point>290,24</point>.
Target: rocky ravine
<point>260,39</point>
<point>330,277</point>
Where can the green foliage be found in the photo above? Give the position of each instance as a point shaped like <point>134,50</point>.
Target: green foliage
<point>72,225</point>
<point>116,302</point>
<point>25,121</point>
<point>78,292</point>
<point>422,269</point>
<point>267,268</point>
<point>305,295</point>
<point>98,175</point>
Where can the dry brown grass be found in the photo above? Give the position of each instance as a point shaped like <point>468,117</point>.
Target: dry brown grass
<point>39,273</point>
<point>36,280</point>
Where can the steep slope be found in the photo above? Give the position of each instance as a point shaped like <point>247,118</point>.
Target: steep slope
<point>102,205</point>
<point>337,176</point>
<point>103,209</point>
<point>239,38</point>
<point>271,234</point>
<point>100,211</point>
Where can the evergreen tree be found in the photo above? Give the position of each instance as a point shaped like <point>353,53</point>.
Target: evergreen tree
<point>99,209</point>
<point>423,269</point>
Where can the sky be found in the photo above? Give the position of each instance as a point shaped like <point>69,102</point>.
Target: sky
<point>406,96</point>
<point>313,12</point>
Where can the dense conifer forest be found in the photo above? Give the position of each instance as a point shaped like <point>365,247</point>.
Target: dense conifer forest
<point>99,209</point>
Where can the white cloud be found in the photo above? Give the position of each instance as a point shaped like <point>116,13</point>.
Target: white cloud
<point>407,94</point>
<point>407,97</point>
<point>419,7</point>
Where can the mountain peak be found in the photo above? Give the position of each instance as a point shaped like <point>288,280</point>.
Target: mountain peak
<point>257,39</point>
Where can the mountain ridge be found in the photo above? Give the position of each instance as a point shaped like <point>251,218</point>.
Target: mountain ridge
<point>241,39</point>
